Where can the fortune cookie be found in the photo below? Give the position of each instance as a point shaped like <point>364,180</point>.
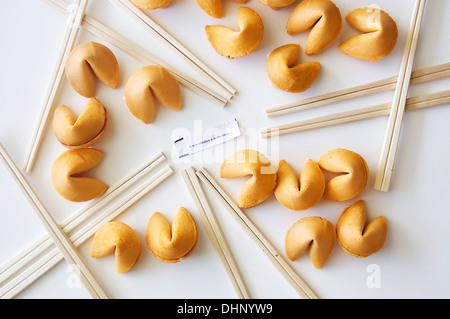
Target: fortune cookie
<point>315,233</point>
<point>120,239</point>
<point>66,177</point>
<point>82,131</point>
<point>357,238</point>
<point>147,84</point>
<point>151,4</point>
<point>276,4</point>
<point>170,243</point>
<point>237,43</point>
<point>263,176</point>
<point>90,60</point>
<point>300,194</point>
<point>352,174</point>
<point>325,19</point>
<point>285,75</point>
<point>379,38</point>
<point>214,8</point>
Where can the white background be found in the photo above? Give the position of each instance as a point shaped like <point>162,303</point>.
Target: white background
<point>414,262</point>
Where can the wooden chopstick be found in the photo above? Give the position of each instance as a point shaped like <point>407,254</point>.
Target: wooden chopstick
<point>35,260</point>
<point>99,29</point>
<point>417,77</point>
<point>113,192</point>
<point>14,265</point>
<point>387,158</point>
<point>198,65</point>
<point>214,232</point>
<point>50,256</point>
<point>89,229</point>
<point>412,103</point>
<point>70,35</point>
<point>275,257</point>
<point>144,56</point>
<point>76,19</point>
<point>60,238</point>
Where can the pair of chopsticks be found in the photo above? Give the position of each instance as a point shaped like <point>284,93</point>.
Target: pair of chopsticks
<point>99,29</point>
<point>42,255</point>
<point>388,153</point>
<point>412,103</point>
<point>417,77</point>
<point>73,24</point>
<point>396,109</point>
<point>76,19</point>
<point>59,237</point>
<point>275,257</point>
<point>140,16</point>
<point>214,232</point>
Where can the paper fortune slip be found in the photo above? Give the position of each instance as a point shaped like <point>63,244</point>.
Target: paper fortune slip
<point>191,142</point>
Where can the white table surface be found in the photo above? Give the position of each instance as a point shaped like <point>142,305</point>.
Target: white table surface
<point>414,263</point>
